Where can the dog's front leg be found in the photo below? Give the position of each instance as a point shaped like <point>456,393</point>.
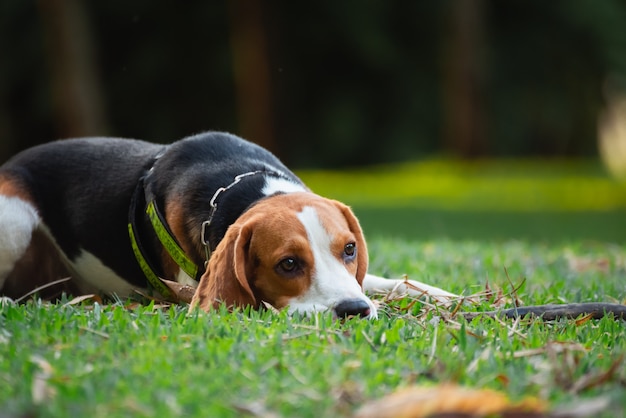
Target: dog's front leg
<point>376,284</point>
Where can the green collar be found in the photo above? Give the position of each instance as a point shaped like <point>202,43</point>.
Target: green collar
<point>167,239</point>
<point>169,242</point>
<point>165,236</point>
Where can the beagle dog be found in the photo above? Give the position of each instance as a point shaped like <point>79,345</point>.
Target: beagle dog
<point>212,211</point>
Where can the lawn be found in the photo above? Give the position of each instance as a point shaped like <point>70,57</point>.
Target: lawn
<point>122,359</point>
<point>553,200</point>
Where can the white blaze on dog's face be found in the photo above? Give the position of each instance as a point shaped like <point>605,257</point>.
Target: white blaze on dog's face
<point>335,252</point>
<point>309,254</point>
<point>297,251</point>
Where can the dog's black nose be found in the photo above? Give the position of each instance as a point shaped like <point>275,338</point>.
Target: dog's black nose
<point>352,307</point>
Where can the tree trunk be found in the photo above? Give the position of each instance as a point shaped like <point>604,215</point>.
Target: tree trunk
<point>464,132</point>
<point>77,98</point>
<point>251,72</point>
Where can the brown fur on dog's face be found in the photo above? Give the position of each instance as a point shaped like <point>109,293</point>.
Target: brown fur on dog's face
<point>298,250</point>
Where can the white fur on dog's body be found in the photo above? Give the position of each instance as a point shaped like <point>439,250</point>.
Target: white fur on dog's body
<point>18,220</point>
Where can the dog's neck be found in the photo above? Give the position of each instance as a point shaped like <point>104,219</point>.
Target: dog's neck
<point>229,202</point>
<point>150,234</point>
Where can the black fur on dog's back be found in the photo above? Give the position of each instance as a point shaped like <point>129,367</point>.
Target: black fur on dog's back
<point>211,161</point>
<point>70,180</point>
<point>82,189</point>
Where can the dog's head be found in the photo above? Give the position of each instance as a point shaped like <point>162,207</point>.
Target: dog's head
<point>297,251</point>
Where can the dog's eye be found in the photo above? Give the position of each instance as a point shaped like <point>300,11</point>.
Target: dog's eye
<point>350,249</point>
<point>288,265</point>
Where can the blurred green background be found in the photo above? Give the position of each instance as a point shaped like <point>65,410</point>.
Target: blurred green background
<point>552,201</point>
<point>454,118</point>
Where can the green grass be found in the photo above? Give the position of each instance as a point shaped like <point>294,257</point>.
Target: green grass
<point>558,227</point>
<point>504,199</point>
<point>149,361</point>
<point>557,230</point>
<point>484,185</point>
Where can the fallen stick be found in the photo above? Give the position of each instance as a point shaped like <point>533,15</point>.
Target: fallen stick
<point>553,312</point>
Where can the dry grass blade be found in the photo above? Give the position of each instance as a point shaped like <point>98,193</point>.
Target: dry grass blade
<point>589,380</point>
<point>582,409</point>
<point>369,340</point>
<point>79,299</point>
<point>584,319</point>
<point>554,347</point>
<point>41,390</point>
<point>182,292</point>
<point>42,287</point>
<point>516,300</point>
<point>270,307</point>
<point>95,332</point>
<point>255,409</point>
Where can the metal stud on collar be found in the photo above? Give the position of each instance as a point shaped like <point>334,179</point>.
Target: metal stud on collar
<point>213,203</point>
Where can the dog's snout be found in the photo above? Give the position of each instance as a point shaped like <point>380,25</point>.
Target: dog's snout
<point>352,307</point>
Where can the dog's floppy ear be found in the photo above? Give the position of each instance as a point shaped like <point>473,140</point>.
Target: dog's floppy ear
<point>226,277</point>
<point>355,228</point>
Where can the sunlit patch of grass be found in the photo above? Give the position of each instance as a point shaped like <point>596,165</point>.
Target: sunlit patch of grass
<point>502,185</point>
